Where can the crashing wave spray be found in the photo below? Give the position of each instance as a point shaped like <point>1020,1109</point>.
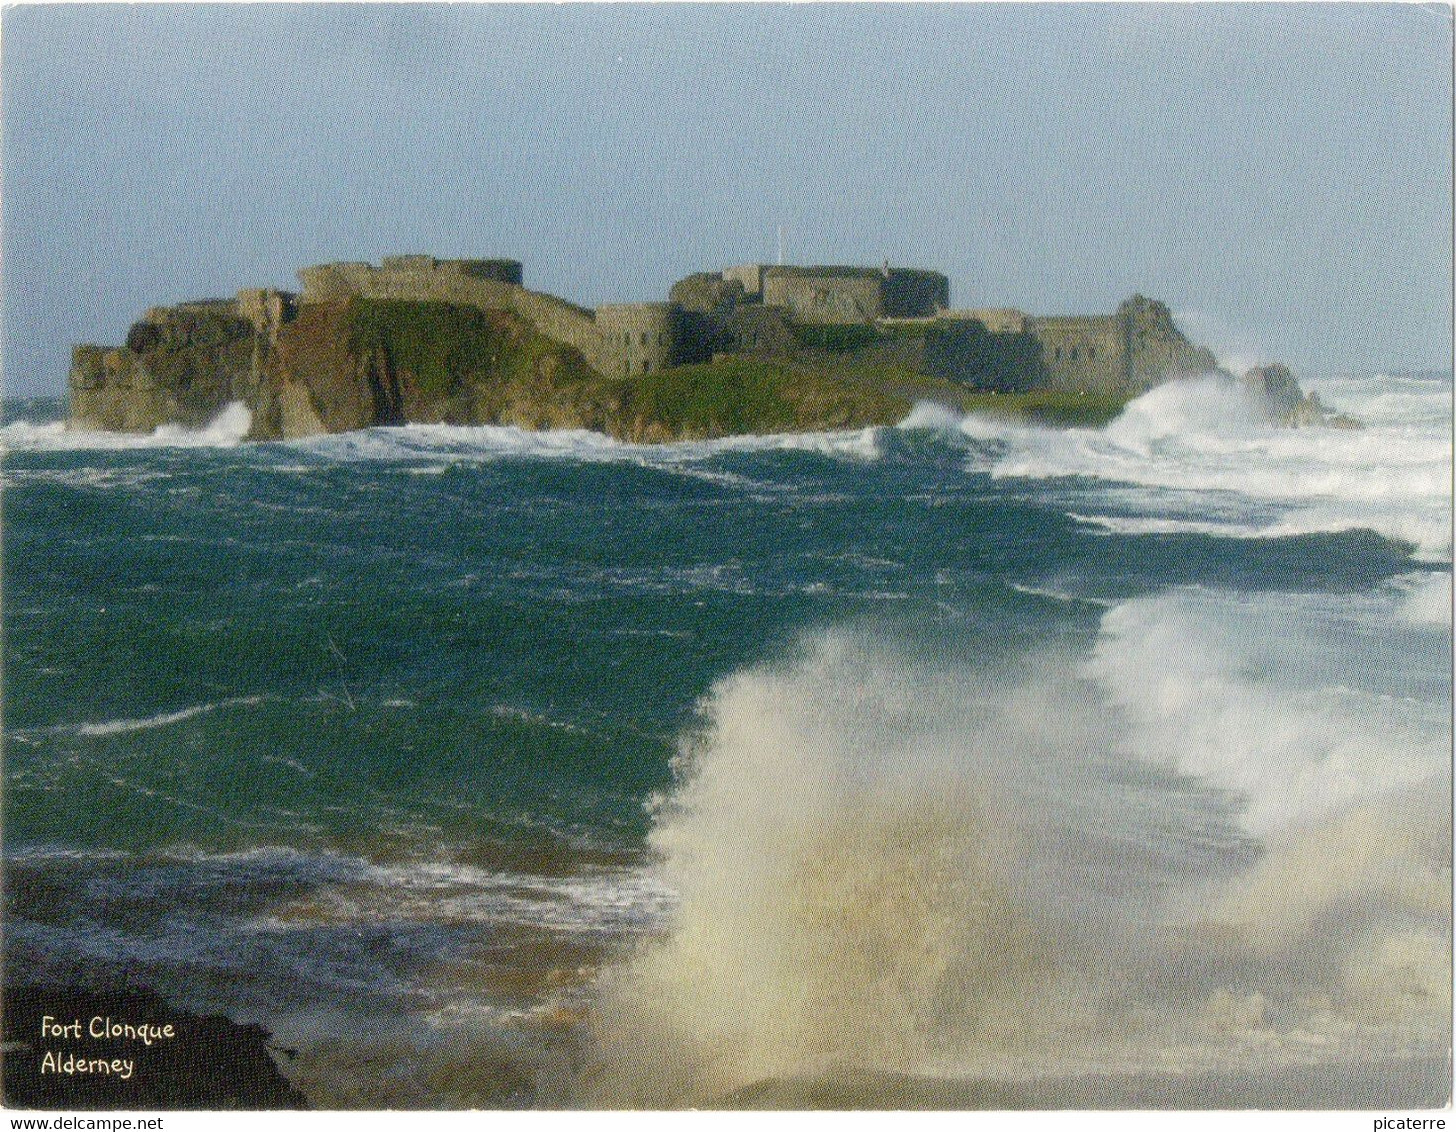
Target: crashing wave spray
<point>1009,870</point>
<point>228,428</point>
<point>842,891</point>
<point>1191,456</point>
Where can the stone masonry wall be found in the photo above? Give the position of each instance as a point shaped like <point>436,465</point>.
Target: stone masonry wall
<point>750,275</point>
<point>998,320</point>
<point>1083,353</point>
<point>823,296</point>
<point>566,322</point>
<point>1157,348</point>
<point>910,293</point>
<point>854,294</point>
<point>637,338</point>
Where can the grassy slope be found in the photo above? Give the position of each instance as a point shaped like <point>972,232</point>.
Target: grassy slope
<point>745,395</point>
<point>463,365</point>
<point>1047,406</point>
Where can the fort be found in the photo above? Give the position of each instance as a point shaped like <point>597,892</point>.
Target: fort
<point>757,308</point>
<point>179,360</point>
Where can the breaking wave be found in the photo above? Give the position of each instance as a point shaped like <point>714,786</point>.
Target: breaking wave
<point>1193,448</point>
<point>1217,841</point>
<point>225,430</point>
<point>465,444</point>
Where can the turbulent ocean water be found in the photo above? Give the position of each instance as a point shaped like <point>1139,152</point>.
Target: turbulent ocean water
<point>957,762</point>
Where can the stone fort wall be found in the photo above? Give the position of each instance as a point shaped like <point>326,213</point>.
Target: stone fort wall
<point>823,295</point>
<point>1082,353</point>
<point>616,340</point>
<point>1127,352</point>
<point>820,298</point>
<point>641,337</point>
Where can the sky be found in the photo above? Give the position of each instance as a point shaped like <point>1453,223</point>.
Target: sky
<point>1280,176</point>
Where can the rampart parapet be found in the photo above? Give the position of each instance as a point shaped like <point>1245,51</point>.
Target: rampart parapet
<point>855,294</point>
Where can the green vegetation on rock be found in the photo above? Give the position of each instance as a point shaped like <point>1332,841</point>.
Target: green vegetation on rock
<point>836,337</point>
<point>466,365</point>
<point>444,348</point>
<point>713,399</point>
<point>747,395</point>
<point>738,395</point>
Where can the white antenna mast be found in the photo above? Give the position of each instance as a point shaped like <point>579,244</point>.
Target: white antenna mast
<point>781,245</point>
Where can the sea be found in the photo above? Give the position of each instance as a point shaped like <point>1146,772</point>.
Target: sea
<point>961,762</point>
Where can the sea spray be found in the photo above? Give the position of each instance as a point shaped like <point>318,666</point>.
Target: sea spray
<point>1427,598</point>
<point>842,891</point>
<point>1190,456</point>
<point>1314,711</point>
<point>886,862</point>
<point>1167,854</point>
<point>225,430</point>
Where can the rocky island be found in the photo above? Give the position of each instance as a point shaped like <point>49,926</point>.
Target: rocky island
<point>749,349</point>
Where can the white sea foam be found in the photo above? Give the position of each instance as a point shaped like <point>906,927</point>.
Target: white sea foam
<point>103,478</point>
<point>1057,595</point>
<point>1146,525</point>
<point>350,890</point>
<point>1196,441</point>
<point>61,854</point>
<point>1426,598</point>
<point>462,444</point>
<point>931,416</point>
<point>161,719</point>
<point>1217,841</point>
<point>1273,697</point>
<point>225,430</point>
<point>606,899</point>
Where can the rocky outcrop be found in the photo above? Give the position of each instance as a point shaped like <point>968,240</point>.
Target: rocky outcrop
<point>179,366</point>
<point>1275,396</point>
<point>342,365</point>
<point>749,349</point>
<point>186,1061</point>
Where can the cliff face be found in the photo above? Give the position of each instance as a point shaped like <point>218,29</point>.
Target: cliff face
<point>337,366</point>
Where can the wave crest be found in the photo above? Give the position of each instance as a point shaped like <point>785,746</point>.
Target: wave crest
<point>226,430</point>
<point>1166,855</point>
<point>1194,450</point>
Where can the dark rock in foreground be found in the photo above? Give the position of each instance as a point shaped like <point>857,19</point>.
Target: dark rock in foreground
<point>206,1062</point>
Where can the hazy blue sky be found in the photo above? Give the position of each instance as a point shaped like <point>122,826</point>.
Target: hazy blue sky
<point>1281,176</point>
